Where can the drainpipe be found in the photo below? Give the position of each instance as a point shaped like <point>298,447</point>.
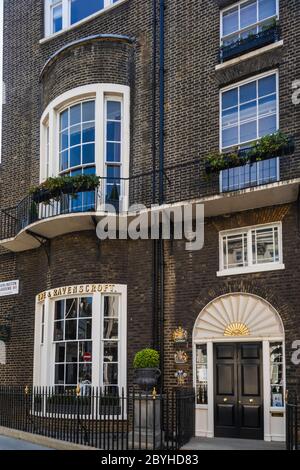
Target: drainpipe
<point>161,174</point>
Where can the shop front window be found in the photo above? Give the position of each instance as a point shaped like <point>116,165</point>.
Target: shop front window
<point>201,374</point>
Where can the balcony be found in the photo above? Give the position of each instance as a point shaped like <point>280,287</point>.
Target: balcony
<point>258,184</point>
<point>253,41</point>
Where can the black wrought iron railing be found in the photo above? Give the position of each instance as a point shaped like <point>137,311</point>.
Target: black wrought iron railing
<point>292,423</point>
<point>253,41</point>
<point>98,418</point>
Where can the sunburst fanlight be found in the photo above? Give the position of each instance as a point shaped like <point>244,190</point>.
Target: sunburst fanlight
<point>237,329</point>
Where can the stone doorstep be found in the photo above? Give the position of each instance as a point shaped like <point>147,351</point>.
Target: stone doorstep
<point>42,440</point>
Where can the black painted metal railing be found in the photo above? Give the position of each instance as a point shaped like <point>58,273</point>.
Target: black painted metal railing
<point>292,423</point>
<point>253,41</point>
<point>95,417</point>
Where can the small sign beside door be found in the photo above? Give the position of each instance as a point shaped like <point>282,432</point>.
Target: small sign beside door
<point>9,288</point>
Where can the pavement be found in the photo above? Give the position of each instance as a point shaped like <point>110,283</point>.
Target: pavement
<point>199,443</point>
<point>9,443</point>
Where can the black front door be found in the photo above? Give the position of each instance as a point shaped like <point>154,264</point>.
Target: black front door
<point>238,390</point>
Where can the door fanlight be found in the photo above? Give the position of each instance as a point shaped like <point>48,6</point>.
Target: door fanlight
<point>237,329</point>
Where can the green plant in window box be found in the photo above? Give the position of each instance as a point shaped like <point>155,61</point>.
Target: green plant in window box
<point>269,146</point>
<point>53,188</point>
<point>146,365</point>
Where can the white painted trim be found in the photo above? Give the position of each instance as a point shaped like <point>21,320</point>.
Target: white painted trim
<point>249,55</point>
<point>66,18</point>
<point>238,85</point>
<point>251,268</point>
<point>44,355</point>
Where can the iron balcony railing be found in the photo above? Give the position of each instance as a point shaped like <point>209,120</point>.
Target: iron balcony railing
<point>125,419</point>
<point>183,182</point>
<point>253,41</point>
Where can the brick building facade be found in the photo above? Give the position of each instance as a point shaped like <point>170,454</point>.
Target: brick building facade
<point>165,55</point>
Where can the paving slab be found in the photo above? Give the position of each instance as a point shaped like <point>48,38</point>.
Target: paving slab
<point>9,443</point>
<point>199,443</point>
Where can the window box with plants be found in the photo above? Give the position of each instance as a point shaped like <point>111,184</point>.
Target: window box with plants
<point>269,34</point>
<point>146,369</point>
<point>54,188</point>
<point>269,146</point>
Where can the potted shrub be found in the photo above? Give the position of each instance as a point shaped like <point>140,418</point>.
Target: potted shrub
<point>146,368</point>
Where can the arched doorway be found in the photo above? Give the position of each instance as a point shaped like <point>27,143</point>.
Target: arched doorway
<point>239,369</point>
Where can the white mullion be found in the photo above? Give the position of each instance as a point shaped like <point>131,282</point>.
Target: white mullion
<point>239,115</point>
<point>249,248</point>
<point>66,4</point>
<point>106,3</point>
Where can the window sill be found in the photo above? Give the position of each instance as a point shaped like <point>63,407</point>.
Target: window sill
<point>249,55</point>
<point>82,22</point>
<point>250,270</point>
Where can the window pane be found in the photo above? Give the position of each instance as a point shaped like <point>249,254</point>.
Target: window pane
<point>248,111</point>
<point>71,308</point>
<point>267,105</point>
<point>110,352</point>
<point>72,352</point>
<point>88,111</point>
<point>64,120</point>
<point>85,307</point>
<point>59,310</point>
<point>248,92</point>
<point>248,13</point>
<point>237,251</point>
<point>201,374</point>
<point>88,132</point>
<point>71,374</point>
<point>267,126</point>
<point>267,86</point>
<point>88,153</point>
<point>75,135</point>
<point>230,21</point>
<point>114,131</point>
<point>60,352</point>
<point>64,140</point>
<point>75,114</point>
<point>114,110</point>
<point>113,152</point>
<point>57,22</point>
<point>111,328</point>
<point>230,117</point>
<point>265,246</point>
<point>248,131</point>
<point>230,99</point>
<point>85,373</point>
<point>266,8</point>
<point>81,9</point>
<point>71,327</point>
<point>110,374</point>
<point>59,374</point>
<point>230,137</point>
<point>85,347</point>
<point>111,306</point>
<point>64,160</point>
<point>85,329</point>
<point>75,156</point>
<point>58,331</point>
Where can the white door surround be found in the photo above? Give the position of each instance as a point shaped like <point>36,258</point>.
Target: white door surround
<point>238,317</point>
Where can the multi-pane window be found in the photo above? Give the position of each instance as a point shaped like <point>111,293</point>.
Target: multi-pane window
<point>246,18</point>
<point>64,13</point>
<point>249,111</point>
<point>110,342</point>
<point>201,374</point>
<point>276,374</point>
<point>250,248</point>
<point>113,151</point>
<point>72,335</point>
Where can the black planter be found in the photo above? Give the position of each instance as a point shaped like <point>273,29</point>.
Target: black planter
<point>146,378</point>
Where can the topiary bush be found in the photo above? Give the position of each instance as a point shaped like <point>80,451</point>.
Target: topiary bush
<point>146,359</point>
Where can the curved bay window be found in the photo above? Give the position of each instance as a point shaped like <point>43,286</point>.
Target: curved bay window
<point>86,132</point>
<point>78,340</point>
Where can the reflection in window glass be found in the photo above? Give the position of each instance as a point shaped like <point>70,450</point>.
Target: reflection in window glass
<point>82,8</point>
<point>201,374</point>
<point>73,339</point>
<point>235,251</point>
<point>276,374</point>
<point>57,15</point>
<point>110,342</point>
<point>265,245</point>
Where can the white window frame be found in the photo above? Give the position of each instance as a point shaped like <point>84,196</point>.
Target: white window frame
<point>44,354</point>
<point>49,154</point>
<point>240,30</point>
<point>66,17</point>
<point>237,85</point>
<point>251,268</point>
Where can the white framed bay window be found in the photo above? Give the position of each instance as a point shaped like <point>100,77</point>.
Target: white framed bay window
<point>81,338</point>
<point>86,131</point>
<point>63,14</point>
<point>251,249</point>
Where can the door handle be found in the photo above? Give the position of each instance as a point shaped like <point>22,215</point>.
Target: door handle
<point>225,400</point>
<point>251,400</point>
